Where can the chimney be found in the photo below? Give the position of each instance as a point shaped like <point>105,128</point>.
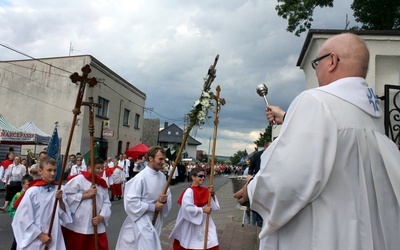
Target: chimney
<point>165,125</point>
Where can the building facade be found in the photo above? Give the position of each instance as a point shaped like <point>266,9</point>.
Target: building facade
<point>41,91</point>
<point>171,137</point>
<point>151,127</point>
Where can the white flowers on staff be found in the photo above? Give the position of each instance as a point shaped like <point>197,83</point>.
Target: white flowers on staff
<point>200,109</point>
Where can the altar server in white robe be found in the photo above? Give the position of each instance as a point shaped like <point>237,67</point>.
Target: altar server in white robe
<point>331,180</point>
<point>34,209</point>
<point>79,191</point>
<point>190,225</point>
<point>143,196</point>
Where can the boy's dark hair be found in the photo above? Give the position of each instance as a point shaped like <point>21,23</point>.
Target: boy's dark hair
<point>10,153</point>
<point>43,152</point>
<point>26,177</point>
<point>47,160</point>
<point>196,170</point>
<point>97,160</point>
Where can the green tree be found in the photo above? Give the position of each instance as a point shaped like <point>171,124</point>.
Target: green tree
<point>377,14</point>
<point>373,14</point>
<point>264,137</point>
<point>204,158</point>
<point>235,159</point>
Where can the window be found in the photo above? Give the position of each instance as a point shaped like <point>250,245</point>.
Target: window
<point>119,147</point>
<point>137,117</point>
<point>126,117</point>
<point>103,110</point>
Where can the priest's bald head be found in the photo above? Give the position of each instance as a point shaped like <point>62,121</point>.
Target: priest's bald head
<point>344,55</point>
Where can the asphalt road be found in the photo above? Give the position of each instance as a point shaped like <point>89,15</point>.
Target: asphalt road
<point>117,218</point>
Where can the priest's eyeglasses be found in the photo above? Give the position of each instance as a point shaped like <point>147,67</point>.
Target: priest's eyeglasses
<point>315,62</point>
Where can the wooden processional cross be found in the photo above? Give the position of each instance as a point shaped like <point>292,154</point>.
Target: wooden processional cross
<point>84,79</point>
<point>219,102</point>
<point>91,106</point>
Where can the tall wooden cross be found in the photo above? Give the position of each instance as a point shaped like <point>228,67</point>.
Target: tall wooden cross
<point>92,105</point>
<point>84,79</point>
<point>219,102</point>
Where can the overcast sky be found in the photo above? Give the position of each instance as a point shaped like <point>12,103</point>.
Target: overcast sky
<point>165,47</point>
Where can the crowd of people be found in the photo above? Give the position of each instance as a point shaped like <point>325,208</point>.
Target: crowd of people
<point>137,182</point>
<point>339,191</point>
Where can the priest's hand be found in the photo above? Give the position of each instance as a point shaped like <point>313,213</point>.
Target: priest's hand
<point>242,195</point>
<point>207,209</point>
<point>275,113</point>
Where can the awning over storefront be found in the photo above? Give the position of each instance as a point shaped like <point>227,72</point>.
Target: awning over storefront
<point>41,137</point>
<point>12,135</point>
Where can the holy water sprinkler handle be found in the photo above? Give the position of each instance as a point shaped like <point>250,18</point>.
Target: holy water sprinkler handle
<point>265,99</point>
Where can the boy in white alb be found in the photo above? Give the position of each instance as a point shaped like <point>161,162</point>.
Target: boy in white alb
<point>31,222</point>
<point>79,191</point>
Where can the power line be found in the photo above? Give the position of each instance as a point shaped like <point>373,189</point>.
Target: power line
<point>19,52</point>
<point>25,67</point>
<point>169,119</point>
<point>103,83</point>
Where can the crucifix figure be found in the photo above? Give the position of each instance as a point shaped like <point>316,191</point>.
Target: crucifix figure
<point>219,101</point>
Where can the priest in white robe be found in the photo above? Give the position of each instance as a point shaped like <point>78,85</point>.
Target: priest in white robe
<point>143,196</point>
<point>331,180</point>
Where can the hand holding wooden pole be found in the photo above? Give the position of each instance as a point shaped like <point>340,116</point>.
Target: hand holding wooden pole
<point>218,103</point>
<point>75,77</point>
<point>92,105</point>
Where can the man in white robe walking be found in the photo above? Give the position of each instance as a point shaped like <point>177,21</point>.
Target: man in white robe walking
<point>331,180</point>
<point>143,197</point>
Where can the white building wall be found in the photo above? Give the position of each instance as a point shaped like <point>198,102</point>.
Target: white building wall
<point>190,149</point>
<point>31,90</point>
